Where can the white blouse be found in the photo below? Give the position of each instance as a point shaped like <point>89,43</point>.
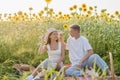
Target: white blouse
<point>54,55</point>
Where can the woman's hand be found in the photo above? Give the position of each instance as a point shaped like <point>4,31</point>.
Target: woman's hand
<point>58,67</point>
<point>61,37</point>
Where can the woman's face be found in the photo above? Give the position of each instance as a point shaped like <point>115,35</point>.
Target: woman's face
<point>54,35</point>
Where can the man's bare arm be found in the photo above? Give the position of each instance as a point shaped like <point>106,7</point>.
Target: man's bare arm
<point>90,52</point>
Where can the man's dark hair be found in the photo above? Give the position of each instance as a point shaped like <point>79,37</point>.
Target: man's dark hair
<point>75,27</point>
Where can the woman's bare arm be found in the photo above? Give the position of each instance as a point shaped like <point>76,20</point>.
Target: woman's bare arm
<point>62,53</point>
<point>42,49</point>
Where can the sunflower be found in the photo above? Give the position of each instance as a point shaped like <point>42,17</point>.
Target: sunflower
<point>108,14</point>
<point>84,10</point>
<point>9,17</point>
<point>84,5</point>
<point>87,15</point>
<point>78,17</point>
<point>65,26</point>
<point>116,13</point>
<point>95,7</point>
<point>70,8</point>
<point>15,14</point>
<point>48,1</point>
<point>30,8</point>
<point>56,15</point>
<point>34,15</point>
<point>112,16</point>
<point>25,14</point>
<point>67,15</point>
<point>19,13</point>
<point>119,15</point>
<point>90,8</point>
<point>5,14</point>
<point>89,12</point>
<point>51,9</point>
<point>42,12</point>
<point>74,6</point>
<point>60,13</point>
<point>17,18</point>
<point>45,8</point>
<point>80,9</point>
<point>103,10</point>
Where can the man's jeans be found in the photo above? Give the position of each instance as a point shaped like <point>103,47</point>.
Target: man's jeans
<point>94,58</point>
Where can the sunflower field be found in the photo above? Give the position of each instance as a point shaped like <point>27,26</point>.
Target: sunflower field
<point>20,35</point>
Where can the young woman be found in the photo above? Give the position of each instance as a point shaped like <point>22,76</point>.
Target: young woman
<point>55,49</point>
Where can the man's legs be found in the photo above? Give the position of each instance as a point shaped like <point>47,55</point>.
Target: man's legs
<point>95,58</point>
<point>73,71</point>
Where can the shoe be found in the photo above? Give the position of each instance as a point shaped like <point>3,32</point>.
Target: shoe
<point>53,76</point>
<point>36,77</point>
<point>29,77</point>
<point>89,72</point>
<point>92,72</point>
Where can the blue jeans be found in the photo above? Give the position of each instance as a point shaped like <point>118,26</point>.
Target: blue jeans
<point>94,58</point>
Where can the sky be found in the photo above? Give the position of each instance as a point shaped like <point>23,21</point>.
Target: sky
<point>12,6</point>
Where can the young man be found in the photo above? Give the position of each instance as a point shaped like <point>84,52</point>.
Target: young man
<point>81,53</point>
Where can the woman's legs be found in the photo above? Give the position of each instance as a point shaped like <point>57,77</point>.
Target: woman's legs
<point>38,69</point>
<point>35,72</point>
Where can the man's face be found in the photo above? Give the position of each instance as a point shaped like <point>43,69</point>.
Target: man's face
<point>72,32</point>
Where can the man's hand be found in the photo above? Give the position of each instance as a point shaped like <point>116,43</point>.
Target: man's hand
<point>79,65</point>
